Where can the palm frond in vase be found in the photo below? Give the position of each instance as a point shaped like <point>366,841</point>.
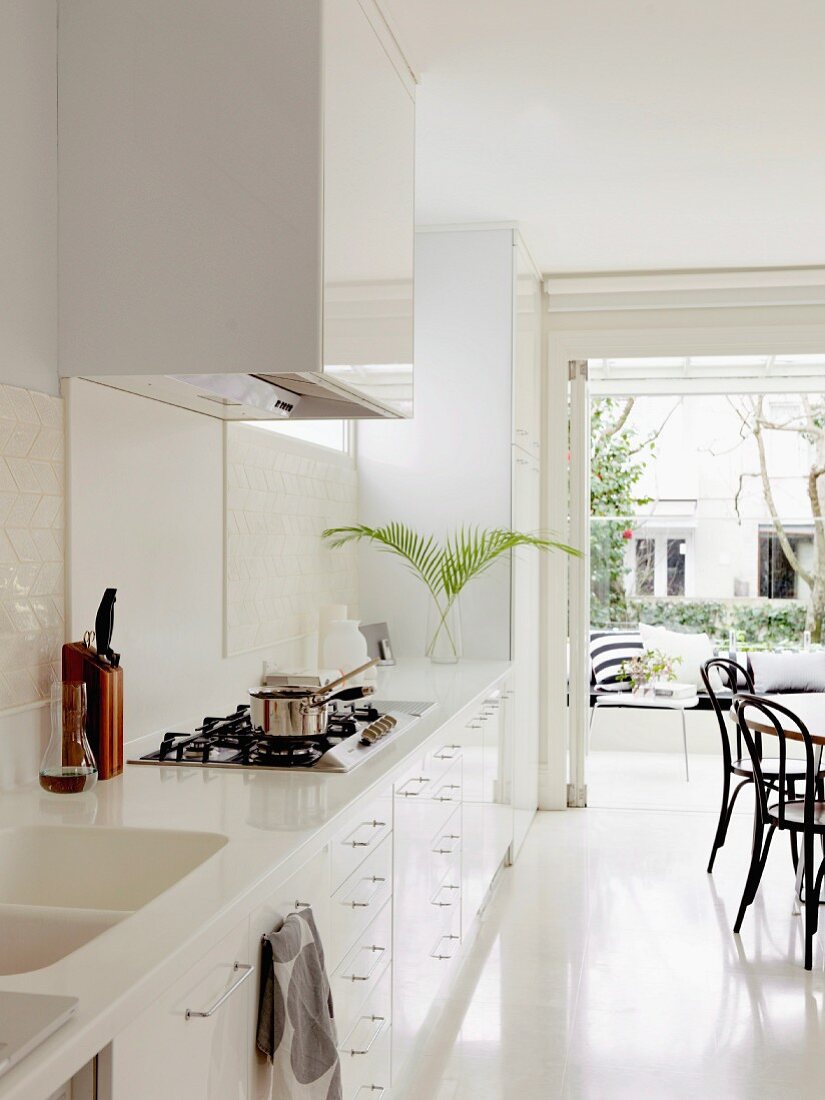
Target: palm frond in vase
<point>445,569</point>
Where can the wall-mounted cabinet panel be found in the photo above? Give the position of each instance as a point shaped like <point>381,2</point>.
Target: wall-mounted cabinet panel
<point>369,117</point>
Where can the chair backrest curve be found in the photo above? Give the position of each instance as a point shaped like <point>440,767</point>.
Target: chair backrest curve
<point>753,711</point>
<point>730,673</point>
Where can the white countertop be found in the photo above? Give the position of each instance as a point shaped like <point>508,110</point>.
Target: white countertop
<point>273,821</point>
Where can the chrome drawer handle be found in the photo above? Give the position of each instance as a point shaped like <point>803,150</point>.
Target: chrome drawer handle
<point>376,881</point>
<point>447,851</point>
<point>247,969</point>
<point>348,843</point>
<point>473,726</point>
<point>442,753</point>
<point>380,1020</point>
<point>420,779</point>
<point>448,797</point>
<point>438,953</point>
<point>443,904</point>
<point>377,953</point>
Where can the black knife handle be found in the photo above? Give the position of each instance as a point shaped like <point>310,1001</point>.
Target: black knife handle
<point>104,625</point>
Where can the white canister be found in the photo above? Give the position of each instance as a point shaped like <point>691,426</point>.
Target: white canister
<point>345,647</point>
<point>328,613</point>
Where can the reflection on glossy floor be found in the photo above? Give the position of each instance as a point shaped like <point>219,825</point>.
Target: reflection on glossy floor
<point>656,781</point>
<point>606,968</point>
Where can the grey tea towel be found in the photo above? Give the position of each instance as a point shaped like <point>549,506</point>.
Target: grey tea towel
<point>296,1028</point>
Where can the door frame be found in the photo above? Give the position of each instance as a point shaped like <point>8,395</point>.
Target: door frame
<point>728,313</point>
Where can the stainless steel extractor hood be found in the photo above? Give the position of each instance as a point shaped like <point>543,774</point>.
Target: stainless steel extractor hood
<point>381,393</point>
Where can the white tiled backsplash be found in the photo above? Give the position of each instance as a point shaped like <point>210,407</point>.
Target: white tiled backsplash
<point>31,544</point>
<point>280,495</point>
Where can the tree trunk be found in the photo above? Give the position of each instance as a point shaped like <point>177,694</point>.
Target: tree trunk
<point>816,608</point>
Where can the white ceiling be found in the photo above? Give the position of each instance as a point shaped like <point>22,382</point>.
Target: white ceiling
<point>625,134</point>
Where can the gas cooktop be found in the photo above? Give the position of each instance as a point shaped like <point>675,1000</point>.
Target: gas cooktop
<point>353,732</point>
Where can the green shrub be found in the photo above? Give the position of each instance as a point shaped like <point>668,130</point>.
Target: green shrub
<point>692,616</point>
<point>761,625</point>
<point>769,624</point>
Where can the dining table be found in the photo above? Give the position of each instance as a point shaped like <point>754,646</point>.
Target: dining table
<point>808,706</point>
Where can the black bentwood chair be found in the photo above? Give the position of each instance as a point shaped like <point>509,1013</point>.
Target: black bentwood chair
<point>806,815</point>
<point>735,762</point>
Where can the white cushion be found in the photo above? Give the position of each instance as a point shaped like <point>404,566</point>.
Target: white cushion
<point>788,671</point>
<point>693,649</point>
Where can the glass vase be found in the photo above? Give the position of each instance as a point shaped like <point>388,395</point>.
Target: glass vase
<point>68,766</point>
<point>443,632</point>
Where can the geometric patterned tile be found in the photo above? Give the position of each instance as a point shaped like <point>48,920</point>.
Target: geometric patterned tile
<point>24,477</point>
<point>31,544</point>
<point>279,497</point>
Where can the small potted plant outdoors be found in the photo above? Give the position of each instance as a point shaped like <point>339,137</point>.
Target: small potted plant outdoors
<point>444,568</point>
<point>643,671</point>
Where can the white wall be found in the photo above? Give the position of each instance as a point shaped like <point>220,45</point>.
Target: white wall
<point>281,494</point>
<point>28,194</point>
<point>146,516</point>
<point>28,275</point>
<point>451,463</point>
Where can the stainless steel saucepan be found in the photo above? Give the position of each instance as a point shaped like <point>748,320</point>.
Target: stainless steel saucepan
<point>302,711</point>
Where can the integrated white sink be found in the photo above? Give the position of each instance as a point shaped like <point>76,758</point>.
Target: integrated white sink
<point>33,936</point>
<point>61,886</point>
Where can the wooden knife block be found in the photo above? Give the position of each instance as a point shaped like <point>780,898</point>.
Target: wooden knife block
<point>104,696</point>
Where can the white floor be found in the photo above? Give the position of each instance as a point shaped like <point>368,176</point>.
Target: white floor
<point>606,968</point>
<point>656,781</point>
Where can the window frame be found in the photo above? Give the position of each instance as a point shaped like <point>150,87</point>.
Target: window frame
<point>347,451</point>
<point>660,536</point>
<point>795,532</point>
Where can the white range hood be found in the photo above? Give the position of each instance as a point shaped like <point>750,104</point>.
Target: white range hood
<point>236,222</point>
<point>310,396</point>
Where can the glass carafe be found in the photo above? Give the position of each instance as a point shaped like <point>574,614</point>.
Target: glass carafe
<point>68,766</point>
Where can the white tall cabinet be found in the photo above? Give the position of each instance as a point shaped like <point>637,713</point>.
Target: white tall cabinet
<point>470,455</point>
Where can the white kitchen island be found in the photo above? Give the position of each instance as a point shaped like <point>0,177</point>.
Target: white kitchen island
<point>282,829</point>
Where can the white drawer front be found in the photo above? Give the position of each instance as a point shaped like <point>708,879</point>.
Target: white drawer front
<point>359,900</point>
<point>448,790</point>
<point>446,852</point>
<point>436,780</point>
<point>365,1050</point>
<point>359,837</point>
<point>361,970</point>
<point>194,1042</point>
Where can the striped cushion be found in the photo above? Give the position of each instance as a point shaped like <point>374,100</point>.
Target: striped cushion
<point>607,651</point>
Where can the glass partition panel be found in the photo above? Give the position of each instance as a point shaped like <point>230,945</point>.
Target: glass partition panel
<point>706,516</point>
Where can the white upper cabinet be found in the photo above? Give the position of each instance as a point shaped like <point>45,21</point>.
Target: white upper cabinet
<point>236,203</point>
